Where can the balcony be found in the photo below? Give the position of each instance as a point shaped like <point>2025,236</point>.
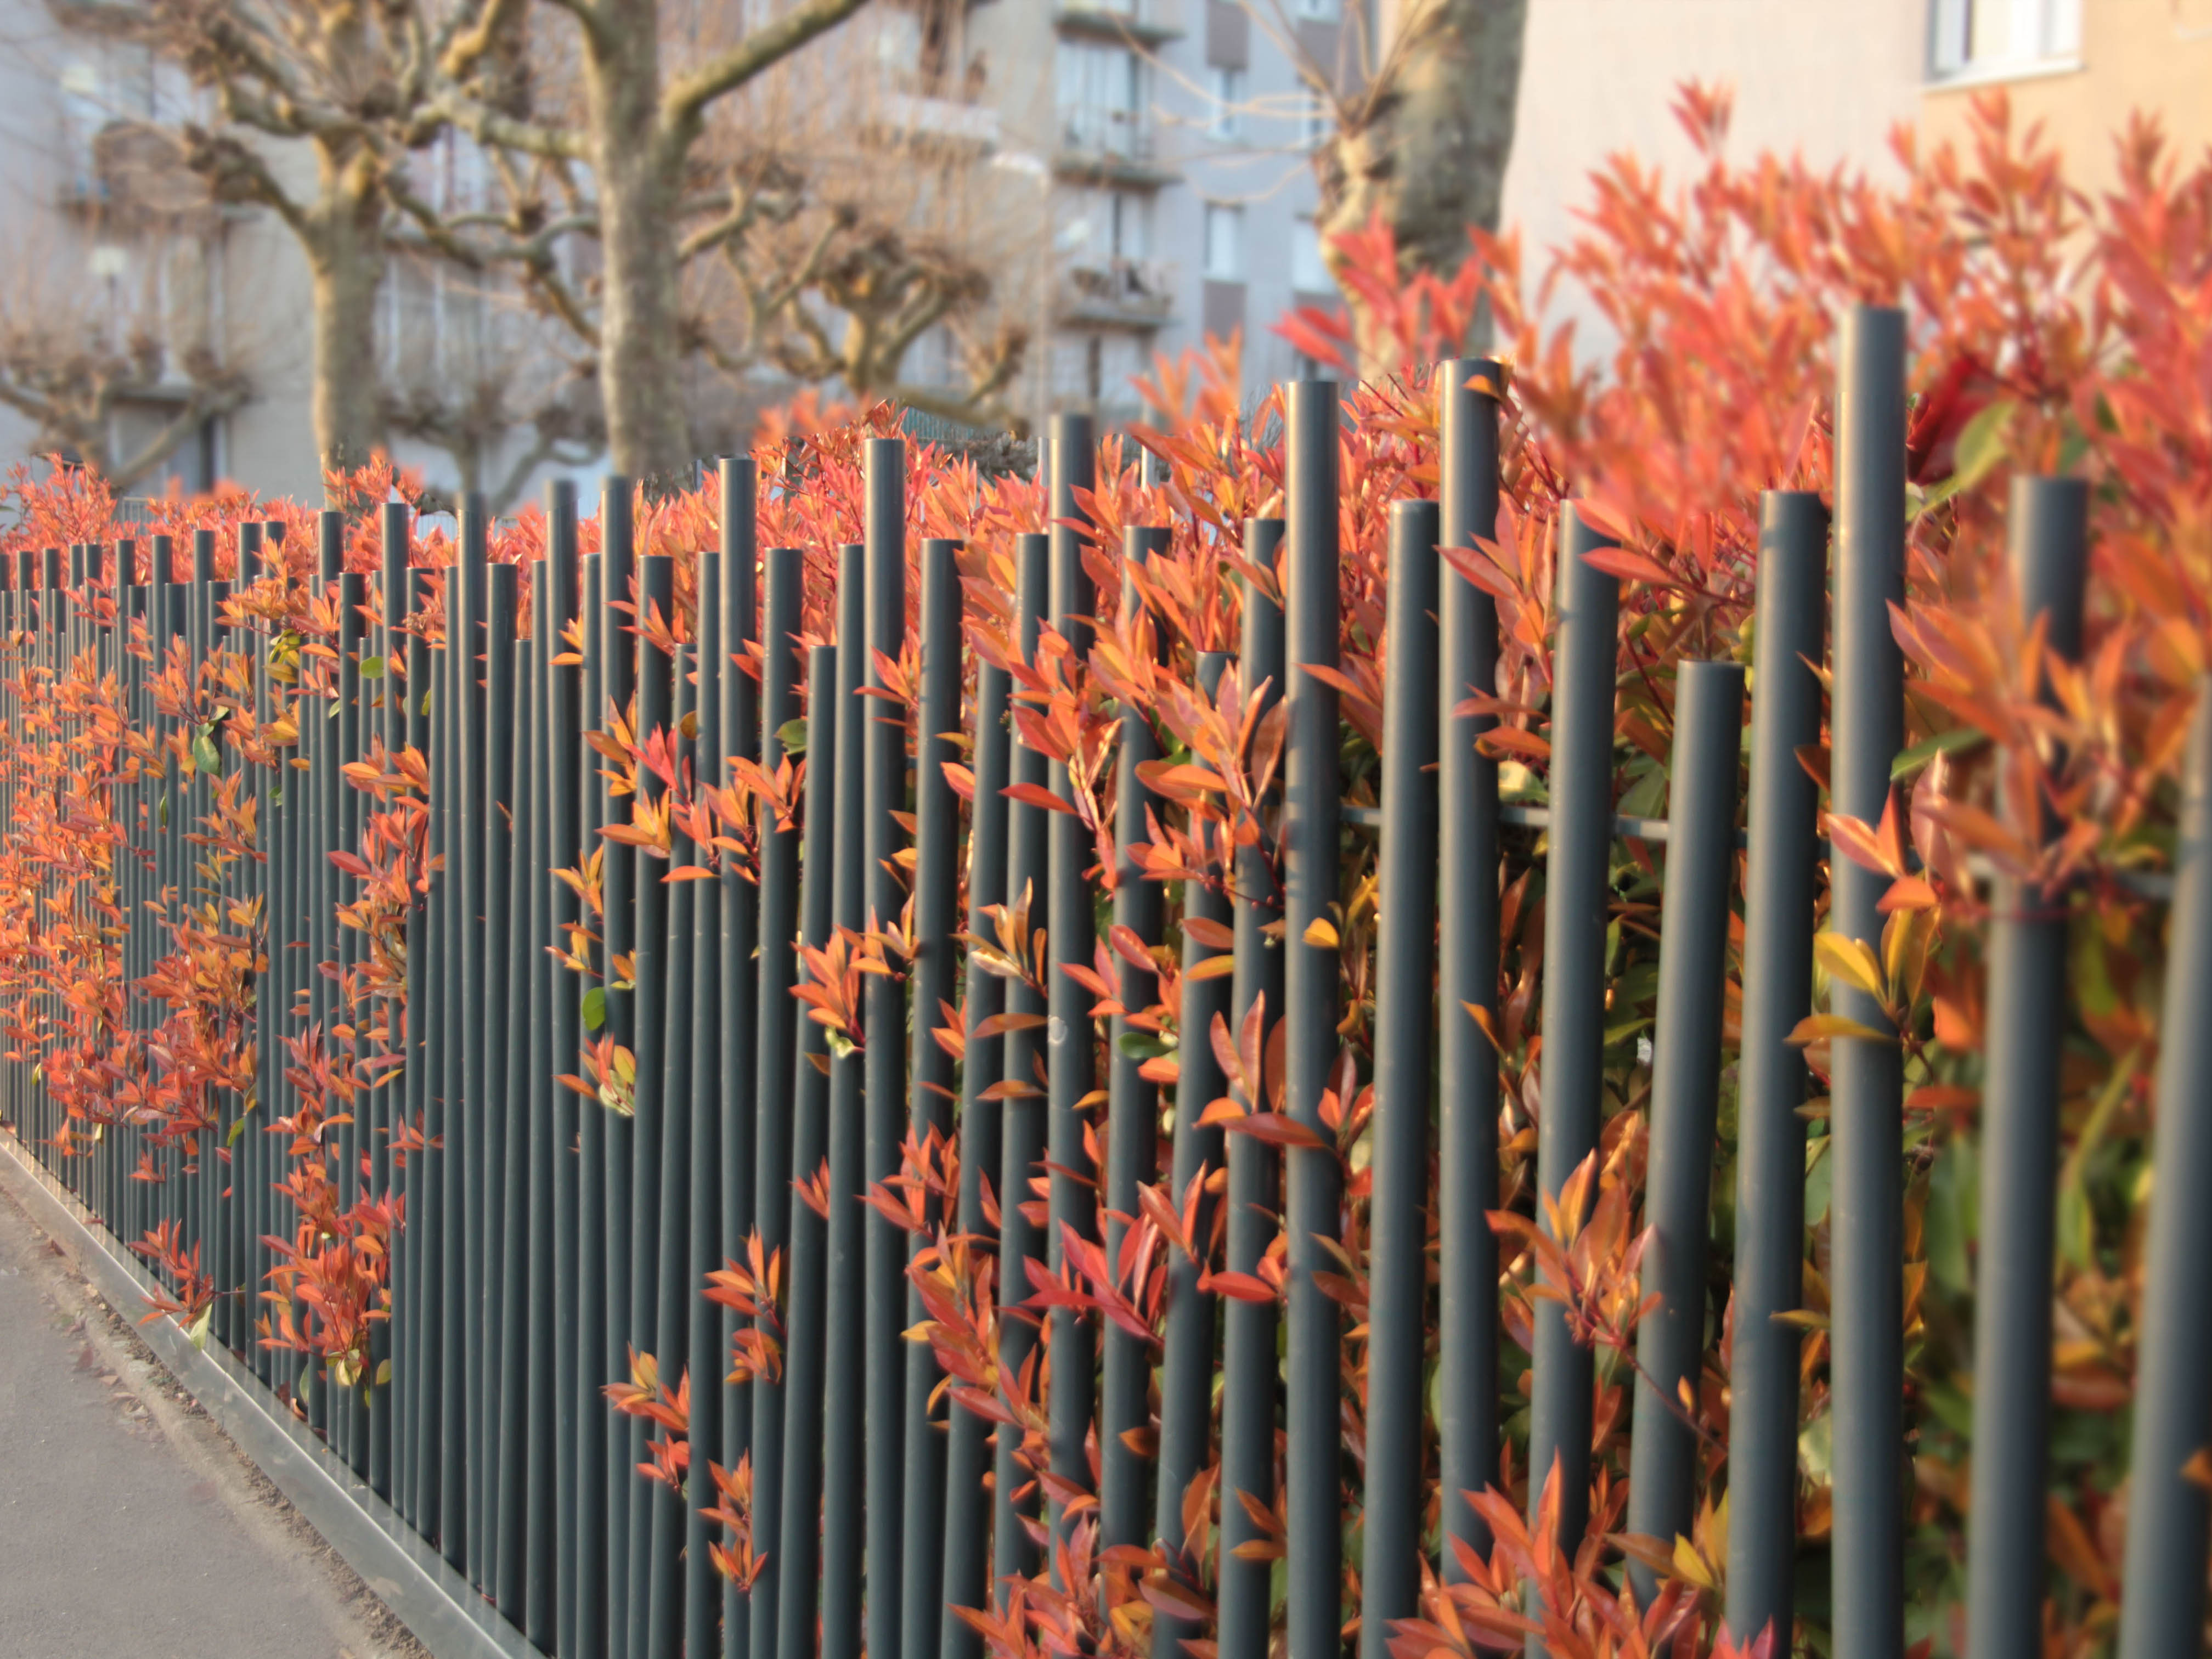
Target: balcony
<point>1132,22</point>
<point>1117,293</point>
<point>939,124</point>
<point>1102,144</point>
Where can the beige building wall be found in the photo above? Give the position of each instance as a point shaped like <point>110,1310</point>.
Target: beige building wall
<point>1824,79</point>
<point>2149,55</point>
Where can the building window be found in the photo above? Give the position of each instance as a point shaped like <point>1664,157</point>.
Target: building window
<point>1101,100</point>
<point>1130,231</point>
<point>1225,92</point>
<point>1308,272</point>
<point>1224,242</point>
<point>1971,37</point>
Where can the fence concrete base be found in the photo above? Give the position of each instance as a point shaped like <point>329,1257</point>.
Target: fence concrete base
<point>434,1602</point>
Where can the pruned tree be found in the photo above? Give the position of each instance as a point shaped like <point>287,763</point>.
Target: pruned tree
<point>666,215</point>
<point>75,384</point>
<point>1423,132</point>
<point>318,107</point>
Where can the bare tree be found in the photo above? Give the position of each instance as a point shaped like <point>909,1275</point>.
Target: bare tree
<point>762,210</point>
<point>77,385</point>
<point>108,337</point>
<point>317,104</point>
<point>637,127</point>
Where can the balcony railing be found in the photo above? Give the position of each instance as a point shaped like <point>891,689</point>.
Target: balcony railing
<point>1100,131</point>
<point>1147,22</point>
<point>1118,292</point>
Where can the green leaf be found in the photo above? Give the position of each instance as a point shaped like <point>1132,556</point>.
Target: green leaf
<point>426,704</point>
<point>204,750</point>
<point>1981,446</point>
<point>1141,1045</point>
<point>792,734</point>
<point>163,816</point>
<point>372,668</point>
<point>1911,760</point>
<point>197,1331</point>
<point>595,1008</point>
<point>237,1128</point>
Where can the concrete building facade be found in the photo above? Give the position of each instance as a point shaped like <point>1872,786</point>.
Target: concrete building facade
<point>1143,169</point>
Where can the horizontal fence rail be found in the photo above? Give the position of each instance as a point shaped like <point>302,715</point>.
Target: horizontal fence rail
<point>763,1102</point>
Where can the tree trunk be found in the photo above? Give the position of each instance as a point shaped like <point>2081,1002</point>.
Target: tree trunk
<point>1429,144</point>
<point>638,175</point>
<point>344,235</point>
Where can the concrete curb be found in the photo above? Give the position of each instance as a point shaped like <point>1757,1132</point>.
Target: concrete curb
<point>442,1608</point>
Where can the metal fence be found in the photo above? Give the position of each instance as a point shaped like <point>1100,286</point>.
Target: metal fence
<point>546,1238</point>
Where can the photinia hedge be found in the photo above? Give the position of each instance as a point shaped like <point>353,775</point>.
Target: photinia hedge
<point>2051,331</point>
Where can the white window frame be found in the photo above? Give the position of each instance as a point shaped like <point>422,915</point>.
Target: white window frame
<point>1979,40</point>
<point>1225,117</point>
<point>1223,242</point>
<point>1305,244</point>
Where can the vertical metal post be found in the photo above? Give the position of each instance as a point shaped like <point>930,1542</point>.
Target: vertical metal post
<point>1467,967</point>
<point>1779,885</point>
<point>1404,1013</point>
<point>509,1233</point>
<point>1250,1369</point>
<point>776,1086</point>
<point>651,1542</point>
<point>1685,1078</point>
<point>967,1517</point>
<point>2019,1188</point>
<point>1866,1093</point>
<point>1021,1134</point>
<point>2169,1518</point>
<point>593,1566</point>
<point>935,979</point>
<point>1068,1041</point>
<point>1576,895</point>
<point>615,643</point>
<point>559,1007</point>
<point>1191,1339</point>
<point>885,1249</point>
<point>799,1529</point>
<point>733,916</point>
<point>1313,1404</point>
<point>1132,1101</point>
<point>844,1463</point>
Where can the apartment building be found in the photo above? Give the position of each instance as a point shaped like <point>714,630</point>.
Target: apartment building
<point>1137,172</point>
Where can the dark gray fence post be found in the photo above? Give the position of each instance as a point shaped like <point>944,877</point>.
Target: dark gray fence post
<point>1577,894</point>
<point>1132,1103</point>
<point>967,1554</point>
<point>1313,1402</point>
<point>1779,885</point>
<point>1022,1136</point>
<point>1069,1065</point>
<point>2162,1616</point>
<point>1249,1365</point>
<point>1404,1011</point>
<point>1467,968</point>
<point>936,980</point>
<point>1866,1281</point>
<point>799,1529</point>
<point>883,1292</point>
<point>777,1085</point>
<point>2018,1194</point>
<point>1686,1073</point>
<point>844,1467</point>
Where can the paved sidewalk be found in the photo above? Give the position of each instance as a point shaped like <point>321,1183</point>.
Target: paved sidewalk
<point>129,1525</point>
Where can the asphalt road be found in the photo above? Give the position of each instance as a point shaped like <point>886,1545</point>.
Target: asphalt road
<point>129,1525</point>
